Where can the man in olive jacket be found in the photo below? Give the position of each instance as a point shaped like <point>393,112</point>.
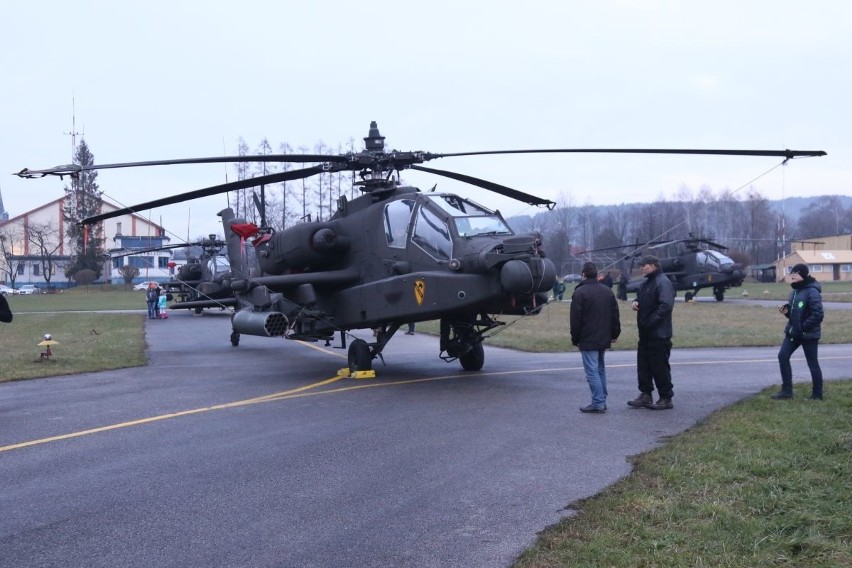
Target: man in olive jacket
<point>654,304</point>
<point>595,325</point>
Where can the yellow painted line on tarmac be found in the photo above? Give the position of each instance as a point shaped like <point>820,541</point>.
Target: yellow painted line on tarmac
<point>307,390</point>
<point>246,402</point>
<point>322,349</point>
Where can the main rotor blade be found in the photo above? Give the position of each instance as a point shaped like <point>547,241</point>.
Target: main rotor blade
<point>786,154</point>
<point>213,190</point>
<point>497,188</point>
<point>712,244</point>
<point>71,169</point>
<point>152,249</point>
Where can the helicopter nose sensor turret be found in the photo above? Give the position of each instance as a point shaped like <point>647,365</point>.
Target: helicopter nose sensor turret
<point>528,276</point>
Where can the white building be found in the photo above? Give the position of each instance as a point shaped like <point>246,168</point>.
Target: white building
<point>25,259</point>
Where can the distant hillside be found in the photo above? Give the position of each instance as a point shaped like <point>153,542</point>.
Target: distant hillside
<point>793,206</point>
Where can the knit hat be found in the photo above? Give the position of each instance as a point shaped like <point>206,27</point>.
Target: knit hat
<point>801,270</point>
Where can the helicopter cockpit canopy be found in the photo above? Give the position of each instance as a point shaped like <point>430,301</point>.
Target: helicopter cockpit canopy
<point>714,260</point>
<point>218,264</point>
<point>470,219</point>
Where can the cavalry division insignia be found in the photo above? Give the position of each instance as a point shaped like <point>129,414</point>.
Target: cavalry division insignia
<point>419,291</point>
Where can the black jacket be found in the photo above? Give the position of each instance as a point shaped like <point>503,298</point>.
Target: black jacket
<point>805,311</point>
<point>5,312</point>
<point>656,302</point>
<point>594,316</point>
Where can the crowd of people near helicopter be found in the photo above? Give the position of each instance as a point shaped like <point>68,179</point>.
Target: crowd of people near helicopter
<point>156,299</point>
<point>595,326</point>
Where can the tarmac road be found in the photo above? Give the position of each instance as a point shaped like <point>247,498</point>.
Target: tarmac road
<point>259,456</point>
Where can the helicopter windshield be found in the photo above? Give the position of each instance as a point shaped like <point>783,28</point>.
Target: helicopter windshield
<point>713,259</point>
<point>432,235</point>
<point>397,217</point>
<point>218,264</point>
<point>470,219</point>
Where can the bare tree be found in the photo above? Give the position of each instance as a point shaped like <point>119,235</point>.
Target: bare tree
<point>241,197</point>
<point>824,217</point>
<point>46,240</point>
<point>128,273</point>
<point>10,262</point>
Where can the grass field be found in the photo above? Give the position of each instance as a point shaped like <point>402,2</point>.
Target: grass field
<point>87,342</point>
<point>81,299</point>
<point>762,483</point>
<point>696,324</point>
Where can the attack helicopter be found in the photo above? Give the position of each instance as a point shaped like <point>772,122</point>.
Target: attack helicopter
<point>391,256</point>
<point>199,283</point>
<point>693,266</point>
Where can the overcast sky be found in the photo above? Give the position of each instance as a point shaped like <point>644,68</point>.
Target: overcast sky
<point>172,79</point>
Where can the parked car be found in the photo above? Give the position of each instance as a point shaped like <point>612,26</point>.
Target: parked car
<point>144,285</point>
<point>27,289</point>
<point>573,277</point>
<point>5,290</point>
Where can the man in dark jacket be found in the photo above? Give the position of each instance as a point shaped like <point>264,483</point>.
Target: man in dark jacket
<point>653,306</point>
<point>595,325</point>
<point>804,310</point>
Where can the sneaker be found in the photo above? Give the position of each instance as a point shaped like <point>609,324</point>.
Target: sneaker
<point>662,404</point>
<point>593,409</point>
<point>781,395</point>
<point>644,400</point>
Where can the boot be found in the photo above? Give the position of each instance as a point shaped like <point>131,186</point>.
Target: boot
<point>644,400</point>
<point>781,395</point>
<point>662,404</point>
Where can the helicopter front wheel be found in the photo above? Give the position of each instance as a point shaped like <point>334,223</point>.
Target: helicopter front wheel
<point>360,358</point>
<point>719,294</point>
<point>474,359</point>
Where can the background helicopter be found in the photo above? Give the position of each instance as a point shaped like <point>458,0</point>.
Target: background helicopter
<point>391,256</point>
<point>692,267</point>
<point>200,283</point>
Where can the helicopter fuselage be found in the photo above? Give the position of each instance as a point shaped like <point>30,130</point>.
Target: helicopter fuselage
<point>404,257</point>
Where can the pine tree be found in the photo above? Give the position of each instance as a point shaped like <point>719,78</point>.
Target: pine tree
<point>83,199</point>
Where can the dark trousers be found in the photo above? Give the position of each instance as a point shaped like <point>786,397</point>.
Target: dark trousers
<point>652,366</point>
<point>811,349</point>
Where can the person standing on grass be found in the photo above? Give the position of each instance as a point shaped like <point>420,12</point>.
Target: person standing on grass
<point>152,296</point>
<point>804,312</point>
<point>595,325</point>
<point>653,306</point>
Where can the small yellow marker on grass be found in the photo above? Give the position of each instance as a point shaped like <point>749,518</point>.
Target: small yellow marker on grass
<point>47,342</point>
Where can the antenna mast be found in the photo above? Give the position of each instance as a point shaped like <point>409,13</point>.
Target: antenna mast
<point>73,134</point>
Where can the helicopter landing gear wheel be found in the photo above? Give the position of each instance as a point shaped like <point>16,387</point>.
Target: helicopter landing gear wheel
<point>474,359</point>
<point>235,338</point>
<point>198,311</point>
<point>719,294</point>
<point>360,358</point>
<point>688,296</point>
